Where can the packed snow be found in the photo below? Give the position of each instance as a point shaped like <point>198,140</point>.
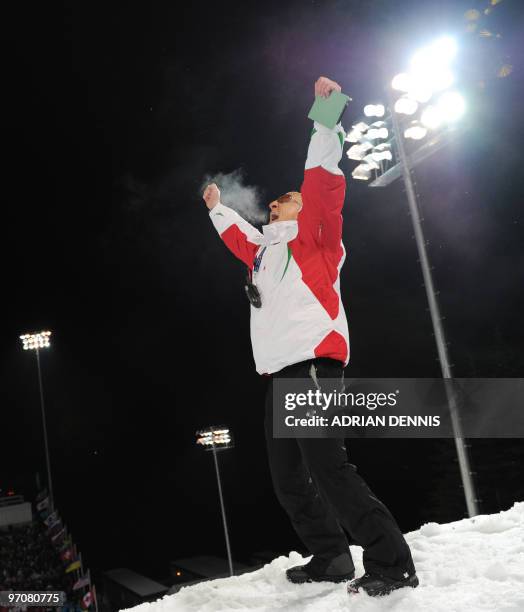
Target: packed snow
<point>466,566</point>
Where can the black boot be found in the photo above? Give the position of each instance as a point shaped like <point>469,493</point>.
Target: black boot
<point>337,569</point>
<point>375,585</point>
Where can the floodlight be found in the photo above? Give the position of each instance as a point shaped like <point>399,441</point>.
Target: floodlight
<point>438,54</point>
<point>374,110</point>
<point>402,82</point>
<point>354,136</point>
<point>376,133</point>
<point>361,173</point>
<point>445,48</point>
<point>370,163</point>
<point>441,79</point>
<point>415,131</point>
<point>452,105</point>
<point>356,152</point>
<point>406,106</point>
<point>215,437</point>
<point>425,84</point>
<point>420,91</point>
<point>356,132</point>
<point>361,127</point>
<point>382,152</point>
<point>382,155</point>
<point>432,117</point>
<point>36,341</point>
<point>429,71</point>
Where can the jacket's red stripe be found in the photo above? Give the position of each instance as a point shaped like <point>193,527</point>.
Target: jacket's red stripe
<point>333,346</point>
<point>317,248</point>
<point>236,240</point>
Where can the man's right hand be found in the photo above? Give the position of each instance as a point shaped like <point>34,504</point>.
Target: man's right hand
<point>211,196</point>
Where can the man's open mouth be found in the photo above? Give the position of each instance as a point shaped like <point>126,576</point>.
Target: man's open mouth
<point>274,216</point>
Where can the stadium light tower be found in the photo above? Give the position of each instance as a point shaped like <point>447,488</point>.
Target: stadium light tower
<point>215,439</point>
<point>35,342</point>
<point>420,121</point>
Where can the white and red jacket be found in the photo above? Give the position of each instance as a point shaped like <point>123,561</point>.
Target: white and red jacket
<point>302,315</point>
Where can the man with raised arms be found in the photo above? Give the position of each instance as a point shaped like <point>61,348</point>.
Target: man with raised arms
<point>299,330</point>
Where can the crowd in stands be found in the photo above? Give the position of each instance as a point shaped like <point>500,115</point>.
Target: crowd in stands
<point>29,562</point>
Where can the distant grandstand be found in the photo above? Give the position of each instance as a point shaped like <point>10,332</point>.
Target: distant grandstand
<point>28,560</point>
<point>36,553</point>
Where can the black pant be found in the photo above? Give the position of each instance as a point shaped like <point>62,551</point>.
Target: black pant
<point>322,492</point>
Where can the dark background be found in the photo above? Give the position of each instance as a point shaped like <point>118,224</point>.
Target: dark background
<point>112,115</point>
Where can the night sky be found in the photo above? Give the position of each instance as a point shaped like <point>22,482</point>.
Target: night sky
<point>113,113</point>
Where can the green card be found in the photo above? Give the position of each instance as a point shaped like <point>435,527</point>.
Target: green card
<point>328,111</point>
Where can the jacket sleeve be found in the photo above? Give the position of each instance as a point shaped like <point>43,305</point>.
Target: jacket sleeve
<point>240,237</point>
<point>323,190</point>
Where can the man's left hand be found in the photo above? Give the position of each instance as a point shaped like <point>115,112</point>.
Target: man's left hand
<point>324,86</point>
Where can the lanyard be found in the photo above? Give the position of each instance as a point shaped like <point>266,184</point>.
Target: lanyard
<point>252,292</point>
<point>258,260</point>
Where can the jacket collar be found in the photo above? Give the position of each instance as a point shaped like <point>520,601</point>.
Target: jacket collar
<point>279,231</point>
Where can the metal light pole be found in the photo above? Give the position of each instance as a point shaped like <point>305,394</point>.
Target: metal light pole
<point>35,342</point>
<point>214,439</point>
<point>429,74</point>
<point>436,319</point>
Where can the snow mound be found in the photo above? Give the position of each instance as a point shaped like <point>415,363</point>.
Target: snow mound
<point>470,565</point>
